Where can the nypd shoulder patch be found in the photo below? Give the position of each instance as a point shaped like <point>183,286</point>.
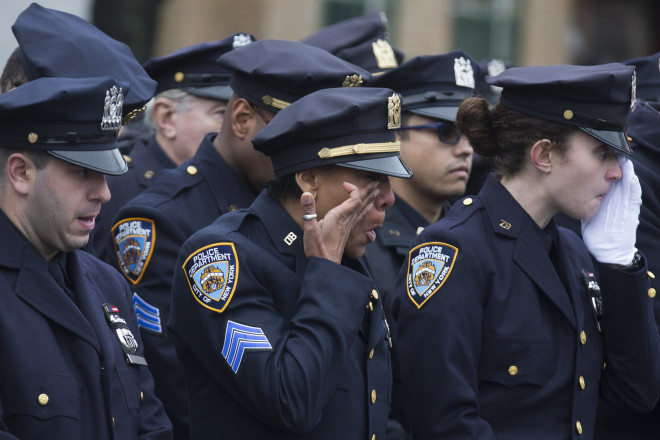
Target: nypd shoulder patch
<point>212,273</point>
<point>429,266</point>
<point>134,240</point>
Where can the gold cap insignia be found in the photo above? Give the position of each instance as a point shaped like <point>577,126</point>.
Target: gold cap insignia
<point>32,138</point>
<point>354,80</point>
<point>394,111</point>
<point>178,77</point>
<point>568,114</point>
<point>274,102</point>
<point>384,54</point>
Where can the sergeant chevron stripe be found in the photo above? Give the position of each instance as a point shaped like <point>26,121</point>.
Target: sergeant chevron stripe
<point>238,339</point>
<point>148,316</point>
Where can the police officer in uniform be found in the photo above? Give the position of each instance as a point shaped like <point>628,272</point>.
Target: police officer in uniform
<point>432,88</point>
<point>278,326</point>
<point>226,173</point>
<point>644,133</point>
<point>507,327</point>
<point>71,358</point>
<point>191,98</point>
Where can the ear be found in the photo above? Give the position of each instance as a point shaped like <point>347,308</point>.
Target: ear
<point>163,112</point>
<point>308,180</point>
<point>241,117</point>
<point>541,155</point>
<point>21,173</point>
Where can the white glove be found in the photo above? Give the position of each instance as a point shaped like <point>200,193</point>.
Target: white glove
<point>610,234</point>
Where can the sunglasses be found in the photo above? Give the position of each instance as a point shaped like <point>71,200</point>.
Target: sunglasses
<point>447,132</point>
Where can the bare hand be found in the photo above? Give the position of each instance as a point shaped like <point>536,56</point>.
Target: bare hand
<point>326,238</point>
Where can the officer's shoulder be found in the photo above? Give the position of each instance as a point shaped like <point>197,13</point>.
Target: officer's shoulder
<point>167,184</point>
<point>462,210</point>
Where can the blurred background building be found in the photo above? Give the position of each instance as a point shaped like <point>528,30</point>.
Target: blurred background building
<point>525,32</point>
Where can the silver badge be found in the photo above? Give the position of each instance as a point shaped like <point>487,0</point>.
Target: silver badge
<point>463,72</point>
<point>112,108</point>
<point>241,40</point>
<point>127,339</point>
<point>633,95</point>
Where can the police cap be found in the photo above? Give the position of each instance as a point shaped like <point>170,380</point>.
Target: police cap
<point>648,77</point>
<point>195,69</point>
<point>597,99</point>
<point>363,41</point>
<point>58,44</point>
<point>434,85</point>
<point>74,119</point>
<point>274,73</point>
<point>644,126</point>
<point>351,127</point>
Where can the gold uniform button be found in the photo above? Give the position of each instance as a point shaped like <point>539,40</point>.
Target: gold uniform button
<point>370,306</point>
<point>113,421</point>
<point>568,114</point>
<point>149,174</point>
<point>651,275</point>
<point>43,399</point>
<point>178,77</point>
<point>583,337</point>
<point>373,437</point>
<point>374,294</point>
<point>467,202</point>
<point>127,158</point>
<point>141,396</point>
<point>373,396</point>
<point>33,137</point>
<point>371,354</point>
<point>513,370</point>
<point>582,382</point>
<point>192,170</point>
<point>578,426</point>
<point>652,292</point>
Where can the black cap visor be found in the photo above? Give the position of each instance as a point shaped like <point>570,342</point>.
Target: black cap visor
<point>390,166</point>
<point>104,161</point>
<point>615,139</point>
<point>220,92</point>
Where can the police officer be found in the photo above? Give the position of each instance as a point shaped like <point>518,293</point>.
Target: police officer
<point>190,102</point>
<point>363,40</point>
<point>71,358</point>
<point>226,173</point>
<point>644,133</point>
<point>279,329</point>
<point>506,326</point>
<point>432,88</point>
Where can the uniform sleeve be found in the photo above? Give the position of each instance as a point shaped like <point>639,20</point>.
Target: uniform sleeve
<point>278,342</point>
<point>439,328</point>
<point>630,377</point>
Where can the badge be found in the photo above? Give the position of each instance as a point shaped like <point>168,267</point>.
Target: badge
<point>148,316</point>
<point>463,73</point>
<point>212,272</point>
<point>238,339</point>
<point>126,340</point>
<point>112,109</point>
<point>241,40</point>
<point>384,54</point>
<point>393,112</point>
<point>429,266</point>
<point>595,296</point>
<point>134,240</point>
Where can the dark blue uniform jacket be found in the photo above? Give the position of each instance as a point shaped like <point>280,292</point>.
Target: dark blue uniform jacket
<point>493,342</point>
<point>147,158</point>
<point>278,346</point>
<point>62,370</point>
<point>148,233</point>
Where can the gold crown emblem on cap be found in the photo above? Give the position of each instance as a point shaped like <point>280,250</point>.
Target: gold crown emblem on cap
<point>384,54</point>
<point>112,108</point>
<point>354,80</point>
<point>394,111</point>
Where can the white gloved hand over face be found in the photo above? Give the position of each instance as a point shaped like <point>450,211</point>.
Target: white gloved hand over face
<point>611,233</point>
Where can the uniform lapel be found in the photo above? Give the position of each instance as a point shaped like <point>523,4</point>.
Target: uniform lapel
<point>509,219</point>
<point>36,287</point>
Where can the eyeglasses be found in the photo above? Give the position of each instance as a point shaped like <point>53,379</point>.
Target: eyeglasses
<point>447,131</point>
<point>258,111</point>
